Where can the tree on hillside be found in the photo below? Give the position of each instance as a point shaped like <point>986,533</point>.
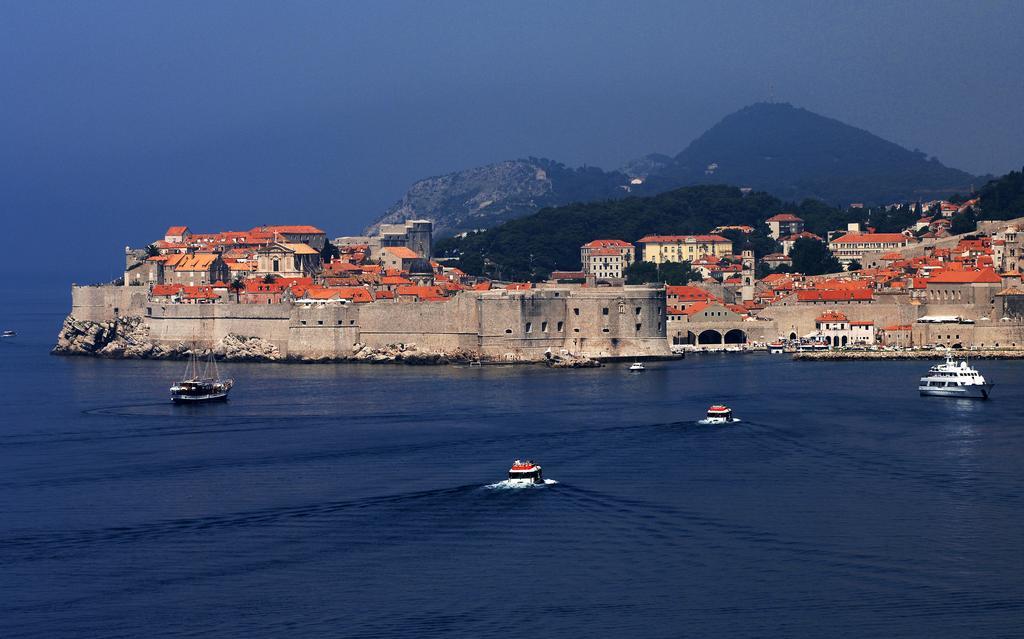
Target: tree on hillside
<point>269,278</point>
<point>677,273</point>
<point>964,222</point>
<point>672,273</point>
<point>329,252</point>
<point>152,250</point>
<point>1003,198</point>
<point>854,266</point>
<point>812,257</point>
<point>640,272</point>
<point>237,285</point>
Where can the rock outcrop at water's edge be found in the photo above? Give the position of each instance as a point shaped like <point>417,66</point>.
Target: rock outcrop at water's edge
<point>553,360</point>
<point>128,338</point>
<point>843,356</point>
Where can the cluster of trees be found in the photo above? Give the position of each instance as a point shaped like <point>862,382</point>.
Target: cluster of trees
<point>673,273</point>
<point>529,248</point>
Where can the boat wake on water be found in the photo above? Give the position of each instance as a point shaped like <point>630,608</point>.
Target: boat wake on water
<point>512,484</point>
<point>711,420</point>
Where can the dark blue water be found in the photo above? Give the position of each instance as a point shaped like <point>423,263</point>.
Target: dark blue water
<point>351,501</point>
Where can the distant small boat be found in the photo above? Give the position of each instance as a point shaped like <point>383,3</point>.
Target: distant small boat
<point>525,472</point>
<point>196,388</point>
<point>637,367</point>
<point>719,414</point>
<point>8,334</point>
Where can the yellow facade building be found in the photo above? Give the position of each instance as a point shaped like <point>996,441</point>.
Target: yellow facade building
<point>682,248</point>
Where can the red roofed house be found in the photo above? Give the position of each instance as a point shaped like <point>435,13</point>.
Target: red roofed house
<point>681,297</point>
<point>964,287</point>
<point>784,224</point>
<point>195,269</point>
<point>295,234</point>
<point>825,296</point>
<point>776,260</point>
<point>682,248</point>
<point>852,246</point>
<point>839,331</point>
<point>399,258</point>
<point>606,258</point>
<point>176,234</point>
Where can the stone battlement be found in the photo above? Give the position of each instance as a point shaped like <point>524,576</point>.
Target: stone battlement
<point>520,325</point>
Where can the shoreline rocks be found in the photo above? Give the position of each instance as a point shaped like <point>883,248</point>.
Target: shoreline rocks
<point>128,338</point>
<point>846,356</point>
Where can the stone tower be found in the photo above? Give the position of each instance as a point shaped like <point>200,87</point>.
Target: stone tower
<point>747,292</point>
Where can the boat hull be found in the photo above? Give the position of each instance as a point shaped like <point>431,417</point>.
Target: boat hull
<point>973,391</point>
<point>220,396</point>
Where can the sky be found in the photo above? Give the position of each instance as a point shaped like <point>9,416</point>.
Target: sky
<point>119,119</point>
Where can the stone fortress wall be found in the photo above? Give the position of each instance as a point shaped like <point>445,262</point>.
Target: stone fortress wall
<point>499,324</point>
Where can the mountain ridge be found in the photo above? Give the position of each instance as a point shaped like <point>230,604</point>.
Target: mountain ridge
<point>790,152</point>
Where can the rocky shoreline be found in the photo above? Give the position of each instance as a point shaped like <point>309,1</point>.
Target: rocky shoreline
<point>128,338</point>
<point>841,356</point>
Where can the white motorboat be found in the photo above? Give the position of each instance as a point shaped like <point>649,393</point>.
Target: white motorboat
<point>525,472</point>
<point>719,414</point>
<point>636,367</point>
<point>954,378</point>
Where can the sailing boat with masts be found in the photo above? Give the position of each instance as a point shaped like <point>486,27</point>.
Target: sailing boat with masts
<point>208,387</point>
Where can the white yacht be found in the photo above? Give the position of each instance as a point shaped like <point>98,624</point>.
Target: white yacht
<point>636,367</point>
<point>954,378</point>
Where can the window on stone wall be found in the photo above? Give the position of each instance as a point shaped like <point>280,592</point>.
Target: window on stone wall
<point>559,327</point>
<point>638,327</point>
<point>529,327</point>
<point>543,327</point>
<point>576,311</point>
<point>604,330</point>
<point>604,311</point>
<point>303,322</point>
<point>637,310</point>
<point>320,322</point>
<point>508,331</point>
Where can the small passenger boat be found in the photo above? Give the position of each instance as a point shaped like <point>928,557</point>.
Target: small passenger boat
<point>196,388</point>
<point>776,348</point>
<point>636,367</point>
<point>719,414</point>
<point>9,334</point>
<point>525,472</point>
<point>954,378</point>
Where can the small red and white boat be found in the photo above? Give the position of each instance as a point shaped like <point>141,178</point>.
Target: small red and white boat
<point>525,472</point>
<point>719,414</point>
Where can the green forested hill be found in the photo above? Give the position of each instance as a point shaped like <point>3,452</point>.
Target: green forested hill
<point>532,246</point>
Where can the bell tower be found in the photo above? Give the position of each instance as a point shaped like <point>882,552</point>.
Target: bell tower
<point>747,291</point>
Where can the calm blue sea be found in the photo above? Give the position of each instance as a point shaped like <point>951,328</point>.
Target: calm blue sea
<point>353,500</point>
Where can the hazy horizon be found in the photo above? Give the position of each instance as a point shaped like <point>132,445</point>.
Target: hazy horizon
<point>122,118</point>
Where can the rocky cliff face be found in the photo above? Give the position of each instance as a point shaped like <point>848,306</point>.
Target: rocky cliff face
<point>128,338</point>
<point>485,196</point>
